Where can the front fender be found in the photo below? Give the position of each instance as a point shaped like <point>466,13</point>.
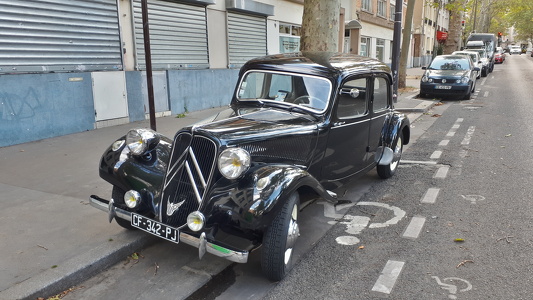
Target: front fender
<point>242,209</point>
<point>140,173</point>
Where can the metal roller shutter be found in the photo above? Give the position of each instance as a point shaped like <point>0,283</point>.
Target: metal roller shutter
<point>57,35</point>
<point>247,38</point>
<point>178,35</point>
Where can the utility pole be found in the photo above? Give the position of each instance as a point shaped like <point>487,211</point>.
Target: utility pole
<point>396,40</point>
<point>148,59</point>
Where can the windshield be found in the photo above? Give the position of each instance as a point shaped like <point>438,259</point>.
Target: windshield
<point>440,63</point>
<point>482,53</point>
<point>311,92</point>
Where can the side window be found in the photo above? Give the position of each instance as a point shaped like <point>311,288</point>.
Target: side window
<point>381,94</point>
<point>352,99</point>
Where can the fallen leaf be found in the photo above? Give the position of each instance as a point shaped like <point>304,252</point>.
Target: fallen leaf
<point>459,240</point>
<point>508,135</point>
<point>135,256</point>
<point>361,247</point>
<point>439,104</point>
<point>436,115</point>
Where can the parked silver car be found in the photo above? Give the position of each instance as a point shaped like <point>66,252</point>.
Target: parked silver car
<point>476,60</point>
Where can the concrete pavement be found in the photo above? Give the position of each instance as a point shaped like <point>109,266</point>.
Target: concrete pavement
<point>51,238</point>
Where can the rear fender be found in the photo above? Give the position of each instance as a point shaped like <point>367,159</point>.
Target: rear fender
<point>399,123</point>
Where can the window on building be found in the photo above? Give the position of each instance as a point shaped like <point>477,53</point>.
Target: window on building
<point>367,5</point>
<point>380,49</point>
<point>392,12</point>
<point>289,38</point>
<point>382,12</point>
<point>391,47</point>
<point>365,45</point>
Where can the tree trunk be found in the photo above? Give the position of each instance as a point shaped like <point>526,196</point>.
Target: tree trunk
<point>406,44</point>
<point>320,25</point>
<point>453,42</point>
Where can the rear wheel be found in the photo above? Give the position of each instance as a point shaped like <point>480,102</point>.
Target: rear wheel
<point>386,171</point>
<point>118,195</point>
<point>279,240</point>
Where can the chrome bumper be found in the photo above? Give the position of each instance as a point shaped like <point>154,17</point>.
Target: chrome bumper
<point>201,243</point>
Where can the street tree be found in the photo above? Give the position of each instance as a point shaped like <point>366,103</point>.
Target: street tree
<point>320,25</point>
<point>406,44</point>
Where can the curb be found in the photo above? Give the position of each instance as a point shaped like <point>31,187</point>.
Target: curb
<point>79,268</point>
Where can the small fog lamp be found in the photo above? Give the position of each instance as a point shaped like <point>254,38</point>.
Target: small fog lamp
<point>132,199</point>
<point>195,221</point>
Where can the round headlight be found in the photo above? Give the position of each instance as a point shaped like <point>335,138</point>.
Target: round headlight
<point>132,199</point>
<point>141,140</point>
<point>232,162</point>
<point>424,78</point>
<point>195,221</point>
<point>464,79</point>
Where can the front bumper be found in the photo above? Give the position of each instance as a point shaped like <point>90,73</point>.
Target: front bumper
<point>456,89</point>
<point>201,243</point>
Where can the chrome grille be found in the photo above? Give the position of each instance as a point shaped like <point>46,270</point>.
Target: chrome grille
<point>189,173</point>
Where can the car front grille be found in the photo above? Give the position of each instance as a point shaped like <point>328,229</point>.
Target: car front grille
<point>188,177</point>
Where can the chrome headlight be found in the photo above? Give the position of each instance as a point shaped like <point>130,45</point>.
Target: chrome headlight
<point>132,199</point>
<point>141,140</point>
<point>195,221</point>
<point>424,78</point>
<point>232,162</point>
<point>463,80</point>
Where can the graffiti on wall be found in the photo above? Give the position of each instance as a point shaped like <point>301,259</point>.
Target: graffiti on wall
<point>15,107</point>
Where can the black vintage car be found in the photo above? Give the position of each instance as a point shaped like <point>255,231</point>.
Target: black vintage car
<point>299,124</point>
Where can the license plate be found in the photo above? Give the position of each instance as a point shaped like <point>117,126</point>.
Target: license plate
<point>443,87</point>
<point>158,229</point>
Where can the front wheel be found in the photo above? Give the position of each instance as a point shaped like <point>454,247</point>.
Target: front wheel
<point>386,171</point>
<point>279,240</point>
<point>118,195</point>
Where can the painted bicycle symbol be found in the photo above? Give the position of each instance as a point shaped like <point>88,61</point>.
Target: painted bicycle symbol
<point>356,224</point>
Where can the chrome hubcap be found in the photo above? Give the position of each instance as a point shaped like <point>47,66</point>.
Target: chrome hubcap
<point>292,234</point>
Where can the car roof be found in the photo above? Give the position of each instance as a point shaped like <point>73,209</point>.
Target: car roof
<point>452,56</point>
<point>465,52</point>
<point>327,64</point>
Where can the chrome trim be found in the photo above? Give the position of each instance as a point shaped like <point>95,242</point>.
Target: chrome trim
<point>197,167</point>
<point>231,255</point>
<point>193,185</point>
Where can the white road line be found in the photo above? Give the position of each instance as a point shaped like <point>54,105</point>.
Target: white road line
<point>450,133</point>
<point>388,277</point>
<point>468,135</point>
<point>486,94</point>
<point>417,162</point>
<point>442,172</point>
<point>455,126</point>
<point>430,196</point>
<point>414,228</point>
<point>483,81</point>
<point>459,120</point>
<point>444,143</point>
<point>436,154</point>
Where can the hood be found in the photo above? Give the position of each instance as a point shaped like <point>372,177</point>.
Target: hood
<point>447,73</point>
<point>267,133</point>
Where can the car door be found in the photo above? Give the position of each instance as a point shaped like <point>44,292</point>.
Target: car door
<point>346,151</point>
<point>381,104</point>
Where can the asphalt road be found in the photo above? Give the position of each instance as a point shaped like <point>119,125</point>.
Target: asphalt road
<point>453,223</point>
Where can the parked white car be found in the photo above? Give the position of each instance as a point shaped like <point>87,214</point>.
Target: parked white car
<point>476,60</point>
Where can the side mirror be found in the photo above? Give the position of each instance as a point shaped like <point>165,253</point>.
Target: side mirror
<point>424,68</point>
<point>477,69</point>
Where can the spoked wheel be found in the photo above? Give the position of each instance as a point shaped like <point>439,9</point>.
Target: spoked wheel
<point>279,240</point>
<point>386,171</point>
<point>118,196</point>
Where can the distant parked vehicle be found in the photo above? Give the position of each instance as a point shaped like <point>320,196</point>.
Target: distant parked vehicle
<point>476,60</point>
<point>490,41</point>
<point>449,75</point>
<point>499,56</point>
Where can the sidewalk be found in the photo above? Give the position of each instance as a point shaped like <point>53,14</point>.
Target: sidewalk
<point>51,238</point>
